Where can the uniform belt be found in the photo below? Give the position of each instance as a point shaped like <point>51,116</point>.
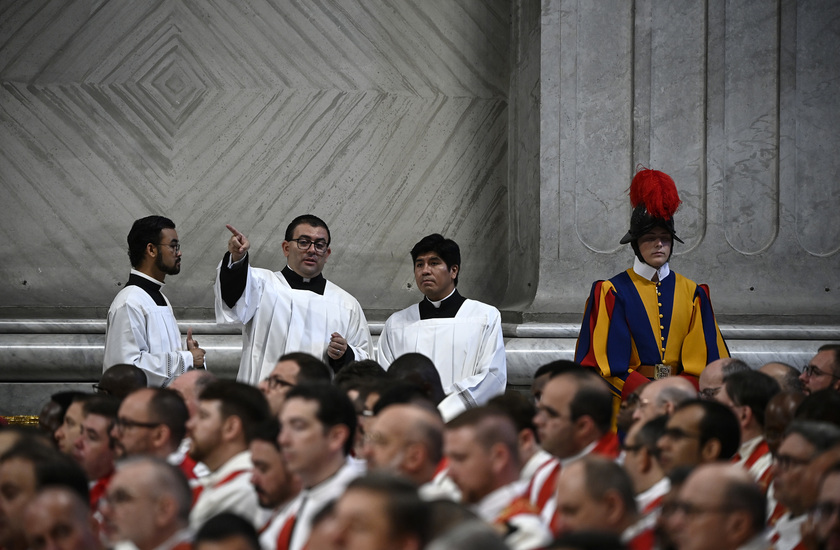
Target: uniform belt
<point>656,372</point>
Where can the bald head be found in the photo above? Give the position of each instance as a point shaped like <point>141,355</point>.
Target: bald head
<point>720,486</point>
<point>662,397</point>
<point>711,379</point>
<point>406,439</point>
<point>59,518</point>
<point>781,409</point>
<point>786,375</point>
<point>190,384</point>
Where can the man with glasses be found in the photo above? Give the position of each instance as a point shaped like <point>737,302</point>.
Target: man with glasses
<point>823,371</point>
<point>291,370</point>
<point>462,337</point>
<point>719,508</point>
<point>153,422</point>
<point>295,309</point>
<point>804,441</point>
<point>642,464</point>
<point>697,433</point>
<point>662,397</point>
<point>141,328</point>
<point>825,515</point>
<point>711,379</point>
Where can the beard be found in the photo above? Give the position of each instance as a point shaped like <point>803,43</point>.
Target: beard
<point>173,269</point>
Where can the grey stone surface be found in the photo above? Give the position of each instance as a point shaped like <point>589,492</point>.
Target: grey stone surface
<point>513,127</point>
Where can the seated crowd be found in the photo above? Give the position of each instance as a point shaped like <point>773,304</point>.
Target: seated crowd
<point>361,458</point>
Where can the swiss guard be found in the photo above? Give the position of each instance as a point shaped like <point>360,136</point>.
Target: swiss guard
<point>649,322</point>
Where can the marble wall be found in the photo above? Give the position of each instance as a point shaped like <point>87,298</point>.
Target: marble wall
<point>512,126</point>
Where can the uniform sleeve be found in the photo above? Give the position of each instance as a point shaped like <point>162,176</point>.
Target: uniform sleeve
<point>126,342</point>
<point>490,377</point>
<point>605,341</point>
<point>358,335</point>
<point>384,353</point>
<point>703,343</point>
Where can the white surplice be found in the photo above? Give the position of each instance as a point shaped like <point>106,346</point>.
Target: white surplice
<point>278,320</point>
<point>140,332</point>
<point>468,351</point>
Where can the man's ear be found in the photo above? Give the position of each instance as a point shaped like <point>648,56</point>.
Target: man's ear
<point>232,428</point>
<point>711,450</point>
<point>415,457</point>
<point>337,436</point>
<point>151,250</point>
<point>454,269</point>
<point>614,507</point>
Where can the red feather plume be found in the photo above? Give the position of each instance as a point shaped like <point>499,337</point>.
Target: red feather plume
<point>657,191</point>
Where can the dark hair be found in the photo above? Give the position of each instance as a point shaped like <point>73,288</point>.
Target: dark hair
<point>650,432</point>
<point>492,425</point>
<point>603,476</point>
<point>401,392</point>
<point>104,405</point>
<point>240,400</point>
<point>446,249</point>
<point>419,369</point>
<point>747,495</point>
<point>718,422</point>
<point>168,407</point>
<point>822,405</point>
<point>308,219</point>
<point>836,349</point>
<point>358,372</point>
<point>408,514</point>
<point>268,430</point>
<point>822,435</point>
<point>224,526</point>
<point>751,389</point>
<point>334,407</point>
<point>120,380</point>
<point>51,468</point>
<point>144,231</point>
<point>312,369</point>
<point>556,368</point>
<point>592,398</point>
<point>518,407</point>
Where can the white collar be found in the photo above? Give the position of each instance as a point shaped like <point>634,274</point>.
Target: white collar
<point>646,271</point>
<point>438,302</point>
<point>139,274</point>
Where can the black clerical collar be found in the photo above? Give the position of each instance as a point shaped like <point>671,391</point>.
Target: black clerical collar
<point>316,284</point>
<point>449,307</point>
<point>152,288</point>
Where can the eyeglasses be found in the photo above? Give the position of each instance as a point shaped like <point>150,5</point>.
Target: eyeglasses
<point>709,393</point>
<point>303,243</point>
<point>813,370</point>
<point>126,424</point>
<point>176,247</point>
<point>275,381</point>
<point>786,462</point>
<point>679,433</point>
<point>100,389</point>
<point>691,509</point>
<point>631,448</point>
<point>824,511</point>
